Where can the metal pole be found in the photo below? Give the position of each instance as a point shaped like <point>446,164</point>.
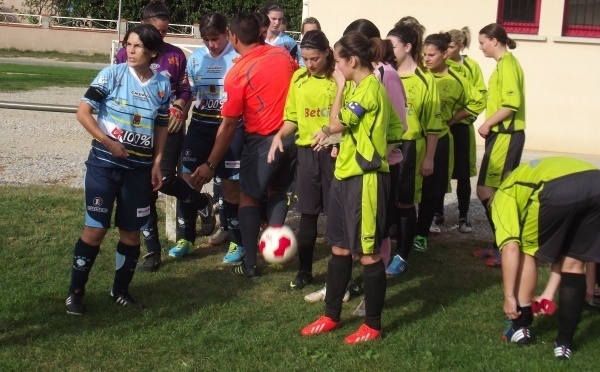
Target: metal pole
<point>119,22</point>
<point>305,9</point>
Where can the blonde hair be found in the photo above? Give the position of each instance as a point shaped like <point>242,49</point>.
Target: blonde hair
<point>461,37</point>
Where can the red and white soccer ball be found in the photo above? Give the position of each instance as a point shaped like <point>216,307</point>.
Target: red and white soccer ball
<point>278,244</point>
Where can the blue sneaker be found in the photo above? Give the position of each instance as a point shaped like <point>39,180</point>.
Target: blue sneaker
<point>397,266</point>
<point>181,248</point>
<point>234,254</point>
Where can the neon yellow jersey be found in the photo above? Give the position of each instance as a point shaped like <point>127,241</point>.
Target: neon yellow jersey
<point>423,115</point>
<point>507,89</point>
<point>308,104</point>
<point>457,93</point>
<point>371,124</point>
<point>518,195</point>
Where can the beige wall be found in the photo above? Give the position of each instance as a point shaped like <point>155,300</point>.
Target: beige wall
<point>563,112</point>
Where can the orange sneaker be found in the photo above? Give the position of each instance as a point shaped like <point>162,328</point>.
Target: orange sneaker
<point>364,334</point>
<point>322,325</point>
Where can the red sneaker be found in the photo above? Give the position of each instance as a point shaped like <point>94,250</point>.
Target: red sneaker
<point>484,252</point>
<point>322,325</point>
<point>495,260</point>
<point>364,334</point>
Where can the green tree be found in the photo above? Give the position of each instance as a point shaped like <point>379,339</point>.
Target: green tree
<point>182,11</point>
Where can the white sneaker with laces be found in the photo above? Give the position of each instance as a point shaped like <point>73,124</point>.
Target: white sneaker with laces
<point>434,229</point>
<point>320,296</point>
<point>219,237</point>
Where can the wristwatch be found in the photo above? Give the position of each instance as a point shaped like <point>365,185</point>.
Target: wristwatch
<point>211,165</point>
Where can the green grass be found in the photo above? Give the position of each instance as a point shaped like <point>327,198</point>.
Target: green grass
<point>444,314</point>
<point>67,57</point>
<point>28,77</point>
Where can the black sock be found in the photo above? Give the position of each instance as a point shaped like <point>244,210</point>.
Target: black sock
<point>84,256</point>
<point>233,223</point>
<point>187,216</point>
<point>375,283</point>
<point>463,194</point>
<point>126,260</point>
<point>307,236</point>
<point>277,207</point>
<point>571,298</point>
<point>425,218</point>
<point>485,203</point>
<point>249,226</point>
<point>406,230</point>
<point>150,231</point>
<point>339,271</point>
<point>525,319</point>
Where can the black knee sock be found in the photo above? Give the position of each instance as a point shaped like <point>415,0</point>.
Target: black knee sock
<point>277,207</point>
<point>485,203</point>
<point>339,271</point>
<point>426,212</point>
<point>233,223</point>
<point>571,298</point>
<point>126,260</point>
<point>525,319</point>
<point>307,236</point>
<point>84,256</point>
<point>187,215</point>
<point>179,188</point>
<point>375,283</point>
<point>406,230</point>
<point>463,194</point>
<point>150,231</point>
<point>249,226</point>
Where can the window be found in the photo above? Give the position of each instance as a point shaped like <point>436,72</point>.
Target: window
<point>519,16</point>
<point>582,18</point>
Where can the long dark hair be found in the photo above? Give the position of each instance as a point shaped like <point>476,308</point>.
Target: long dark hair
<point>156,9</point>
<point>410,35</point>
<point>496,31</point>
<point>358,45</point>
<point>441,40</point>
<point>365,27</point>
<point>316,39</point>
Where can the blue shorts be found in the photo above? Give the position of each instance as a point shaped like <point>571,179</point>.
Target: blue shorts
<point>199,142</point>
<point>131,188</point>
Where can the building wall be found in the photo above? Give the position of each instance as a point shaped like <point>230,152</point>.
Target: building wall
<point>560,75</point>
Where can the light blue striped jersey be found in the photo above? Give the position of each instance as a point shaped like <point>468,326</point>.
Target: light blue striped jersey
<point>128,110</point>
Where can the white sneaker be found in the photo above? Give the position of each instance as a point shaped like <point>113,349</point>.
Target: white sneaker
<point>465,226</point>
<point>218,238</point>
<point>320,296</point>
<point>360,309</point>
<point>434,229</point>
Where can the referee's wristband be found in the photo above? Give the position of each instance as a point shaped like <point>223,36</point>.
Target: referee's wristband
<point>325,129</point>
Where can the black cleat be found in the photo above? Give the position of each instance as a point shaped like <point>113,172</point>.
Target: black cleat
<point>74,303</point>
<point>251,273</point>
<point>123,299</point>
<point>301,280</point>
<point>152,262</point>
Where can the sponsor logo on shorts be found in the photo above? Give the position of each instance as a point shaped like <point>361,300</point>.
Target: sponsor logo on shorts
<point>188,152</point>
<point>320,112</point>
<point>143,212</point>
<point>187,156</point>
<point>97,205</point>
<point>232,164</point>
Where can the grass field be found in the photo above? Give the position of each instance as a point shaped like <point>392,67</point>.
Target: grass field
<point>28,77</point>
<point>67,57</point>
<point>444,314</point>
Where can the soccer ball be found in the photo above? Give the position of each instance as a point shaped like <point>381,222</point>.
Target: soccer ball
<point>278,244</point>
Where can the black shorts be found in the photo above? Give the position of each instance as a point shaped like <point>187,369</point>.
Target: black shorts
<point>256,175</point>
<point>199,142</point>
<point>358,211</point>
<point>502,155</point>
<point>464,151</point>
<point>314,172</point>
<point>569,218</point>
<point>436,185</point>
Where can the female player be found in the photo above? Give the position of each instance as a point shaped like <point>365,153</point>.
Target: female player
<point>463,134</point>
<point>307,108</point>
<point>420,139</point>
<point>504,125</point>
<point>172,65</point>
<point>459,101</point>
<point>309,24</point>
<point>124,163</point>
<point>360,187</point>
<point>547,209</point>
<point>207,68</point>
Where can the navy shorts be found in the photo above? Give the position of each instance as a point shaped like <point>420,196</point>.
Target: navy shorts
<point>256,175</point>
<point>130,188</point>
<point>314,172</point>
<point>199,142</point>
